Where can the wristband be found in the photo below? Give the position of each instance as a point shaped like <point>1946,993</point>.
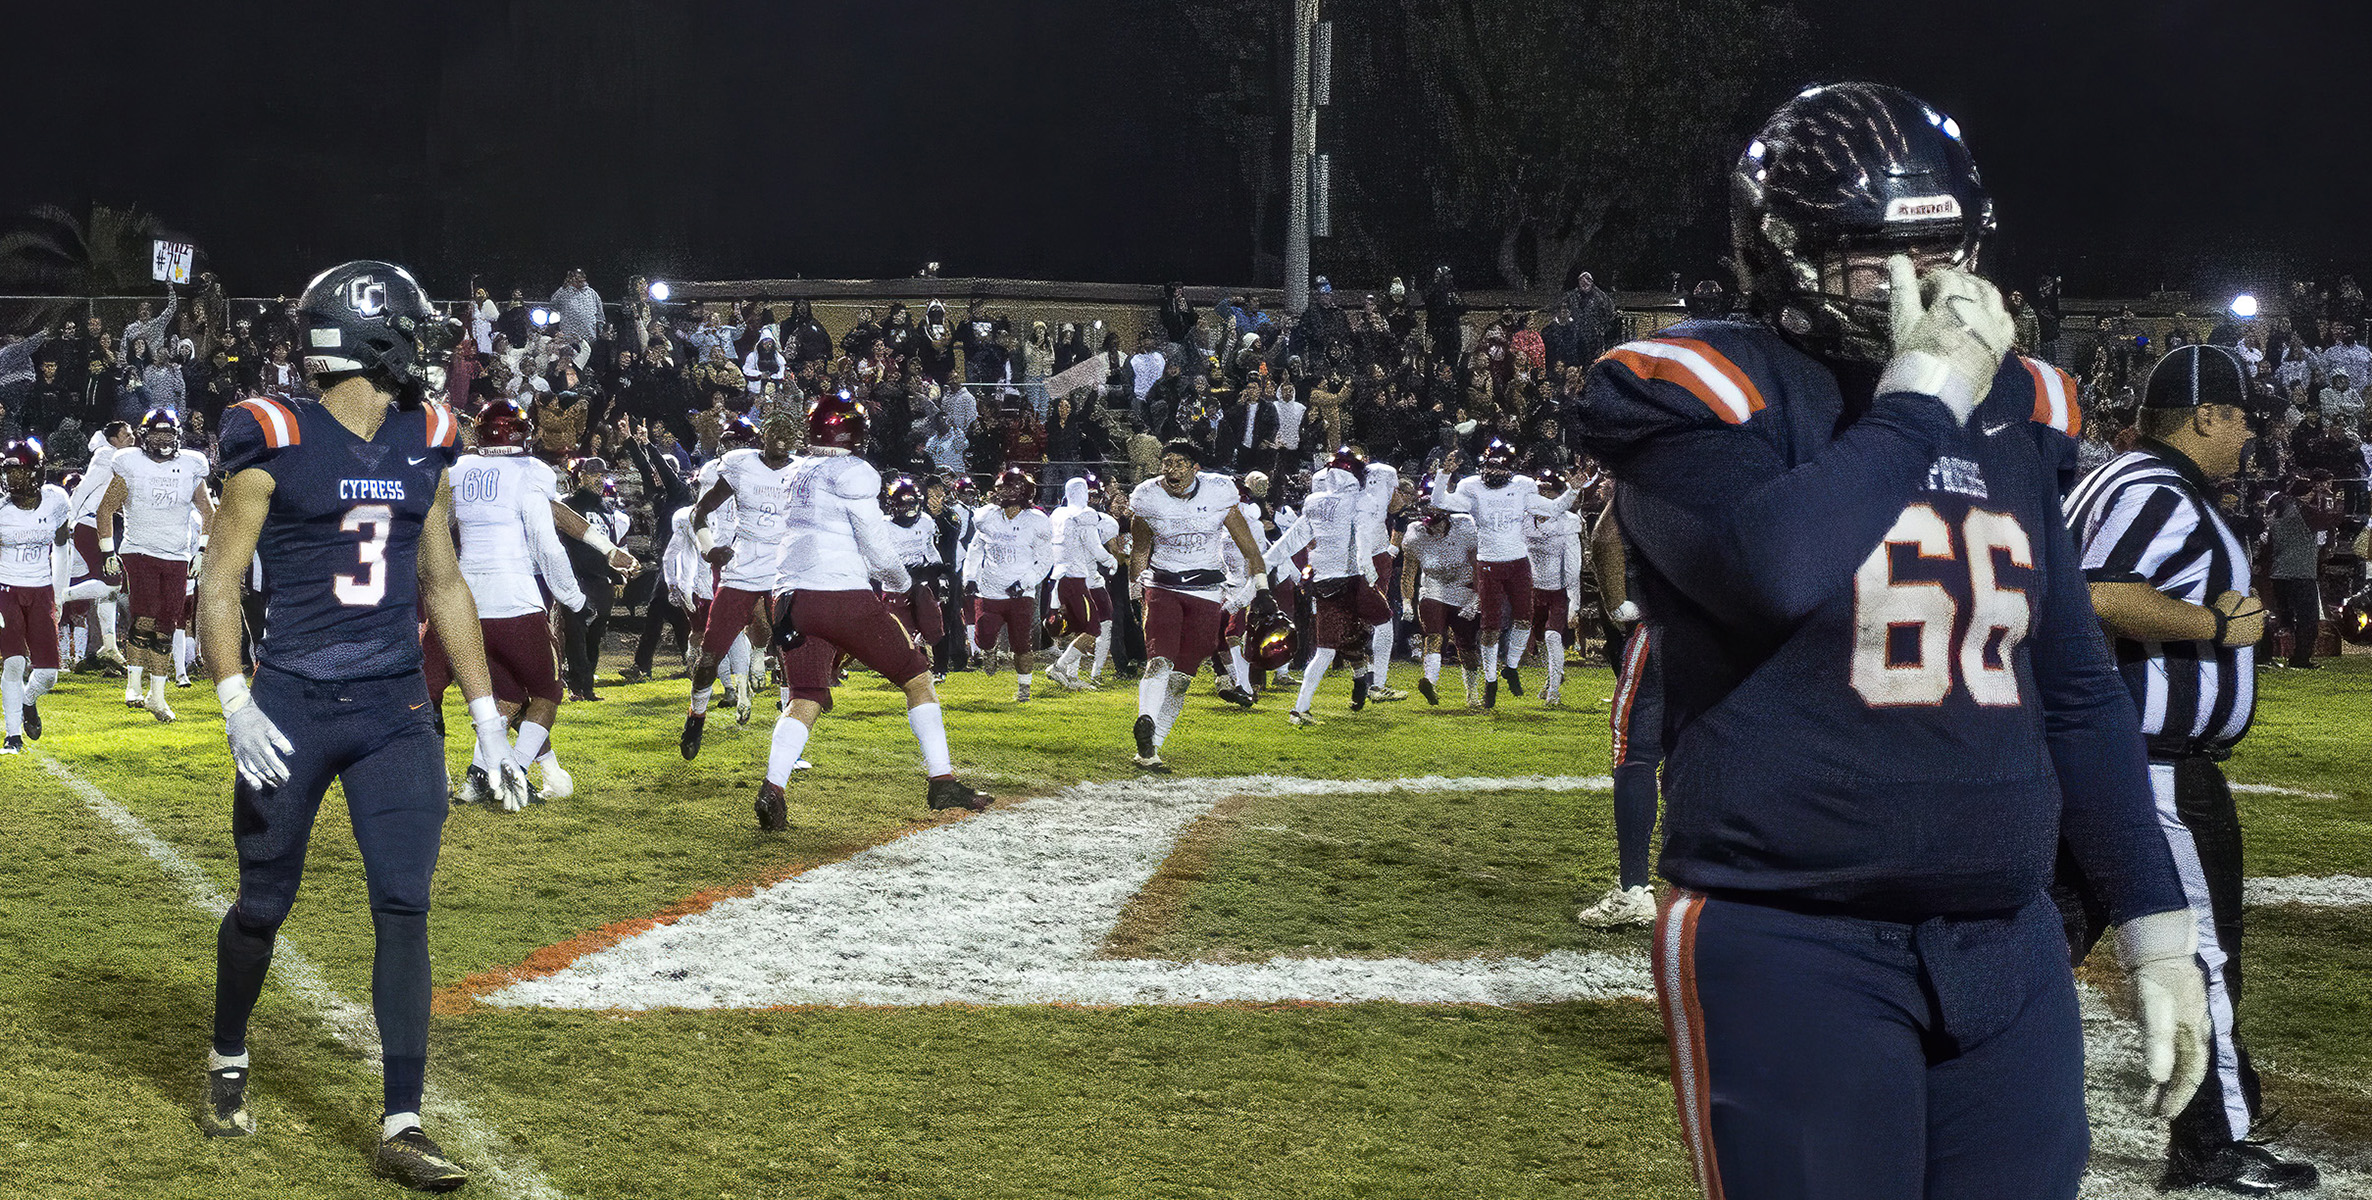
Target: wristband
<point>598,540</point>
<point>107,545</point>
<point>703,540</point>
<point>482,710</point>
<point>232,692</point>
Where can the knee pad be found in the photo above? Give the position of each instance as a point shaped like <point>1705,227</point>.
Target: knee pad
<point>1179,681</point>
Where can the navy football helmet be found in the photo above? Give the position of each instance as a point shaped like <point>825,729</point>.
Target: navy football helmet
<point>1842,169</point>
<point>372,318</point>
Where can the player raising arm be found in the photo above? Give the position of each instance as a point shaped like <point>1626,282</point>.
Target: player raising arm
<point>348,500</point>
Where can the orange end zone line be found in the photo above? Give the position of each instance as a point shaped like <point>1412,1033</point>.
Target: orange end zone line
<point>463,994</point>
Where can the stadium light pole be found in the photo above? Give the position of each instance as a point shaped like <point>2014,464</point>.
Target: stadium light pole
<point>1304,127</point>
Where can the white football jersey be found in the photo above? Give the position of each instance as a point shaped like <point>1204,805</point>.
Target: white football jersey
<point>760,507</point>
<point>1189,530</point>
<point>1444,562</point>
<point>503,504</point>
<point>1007,551</point>
<point>838,538</point>
<point>30,556</point>
<point>1502,515</point>
<point>1555,547</point>
<point>95,479</point>
<point>157,502</point>
<point>918,543</point>
<point>1330,526</point>
<point>1375,506</point>
<point>680,567</point>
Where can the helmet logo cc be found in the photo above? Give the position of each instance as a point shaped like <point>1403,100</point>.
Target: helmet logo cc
<point>367,296</point>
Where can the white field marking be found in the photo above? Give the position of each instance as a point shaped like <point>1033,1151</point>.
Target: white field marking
<point>2267,789</point>
<point>495,1162</point>
<point>2309,891</point>
<point>1010,907</point>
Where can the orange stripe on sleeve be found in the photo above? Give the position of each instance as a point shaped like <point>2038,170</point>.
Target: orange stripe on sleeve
<point>1705,372</point>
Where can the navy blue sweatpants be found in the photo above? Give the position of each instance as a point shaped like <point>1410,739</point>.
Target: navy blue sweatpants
<point>1837,1058</point>
<point>377,737</point>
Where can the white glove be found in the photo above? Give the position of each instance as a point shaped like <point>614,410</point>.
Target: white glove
<point>1367,570</point>
<point>1470,610</point>
<point>509,782</point>
<point>257,745</point>
<point>1950,333</point>
<point>1624,613</point>
<point>2160,953</point>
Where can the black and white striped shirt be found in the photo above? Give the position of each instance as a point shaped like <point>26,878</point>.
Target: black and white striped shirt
<point>2149,516</point>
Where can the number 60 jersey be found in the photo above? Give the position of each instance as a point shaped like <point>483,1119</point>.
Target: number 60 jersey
<point>1882,672</point>
<point>340,546</point>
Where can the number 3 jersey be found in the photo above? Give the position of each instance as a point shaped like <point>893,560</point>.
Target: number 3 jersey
<point>1886,692</point>
<point>340,544</point>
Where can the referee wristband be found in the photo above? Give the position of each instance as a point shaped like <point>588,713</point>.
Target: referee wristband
<point>232,692</point>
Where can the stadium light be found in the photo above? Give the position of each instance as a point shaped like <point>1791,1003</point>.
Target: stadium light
<point>2244,306</point>
<point>659,290</point>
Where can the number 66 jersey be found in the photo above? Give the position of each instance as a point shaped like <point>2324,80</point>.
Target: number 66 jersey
<point>1886,692</point>
<point>340,545</point>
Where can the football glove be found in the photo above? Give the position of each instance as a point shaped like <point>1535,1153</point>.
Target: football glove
<point>1950,333</point>
<point>1469,611</point>
<point>508,780</point>
<point>2160,954</point>
<point>1624,613</point>
<point>1264,603</point>
<point>257,745</point>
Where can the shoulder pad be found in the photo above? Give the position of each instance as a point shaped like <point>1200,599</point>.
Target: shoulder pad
<point>854,479</point>
<point>2054,397</point>
<point>253,431</point>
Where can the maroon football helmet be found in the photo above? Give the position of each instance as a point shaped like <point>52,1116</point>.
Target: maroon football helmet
<point>160,434</point>
<point>1350,462</point>
<point>837,422</point>
<point>738,433</point>
<point>903,498</point>
<point>504,428</point>
<point>2355,618</point>
<point>1013,487</point>
<point>1268,639</point>
<point>72,481</point>
<point>1497,456</point>
<point>20,465</point>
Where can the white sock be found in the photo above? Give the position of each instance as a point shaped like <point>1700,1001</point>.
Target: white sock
<point>180,655</point>
<point>530,746</point>
<point>1433,667</point>
<point>1152,689</point>
<point>1171,705</point>
<point>82,642</point>
<point>395,1123</point>
<point>156,689</point>
<point>12,697</point>
<point>39,683</point>
<point>1467,673</point>
<point>1490,664</point>
<point>737,658</point>
<point>1517,639</point>
<point>1024,679</point>
<point>1069,660</point>
<point>1379,650</point>
<point>1240,667</point>
<point>88,589</point>
<point>782,755</point>
<point>785,691</point>
<point>1103,650</point>
<point>1555,653</point>
<point>132,683</point>
<point>1320,659</point>
<point>217,1062</point>
<point>107,617</point>
<point>700,698</point>
<point>930,731</point>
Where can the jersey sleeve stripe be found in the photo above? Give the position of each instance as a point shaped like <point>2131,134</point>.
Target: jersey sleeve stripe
<point>2054,397</point>
<point>1705,372</point>
<point>279,424</point>
<point>441,426</point>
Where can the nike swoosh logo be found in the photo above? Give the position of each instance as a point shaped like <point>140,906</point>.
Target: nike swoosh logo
<point>417,707</point>
<point>1991,430</point>
<point>417,461</point>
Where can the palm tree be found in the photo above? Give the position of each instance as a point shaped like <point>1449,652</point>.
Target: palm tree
<point>55,252</point>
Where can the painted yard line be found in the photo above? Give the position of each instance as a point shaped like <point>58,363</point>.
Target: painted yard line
<point>497,1164</point>
<point>2267,789</point>
<point>2310,891</point>
<point>1012,906</point>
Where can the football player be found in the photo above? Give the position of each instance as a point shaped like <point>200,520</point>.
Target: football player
<point>837,547</point>
<point>1440,547</point>
<point>502,511</point>
<point>1502,504</point>
<point>1636,721</point>
<point>1012,552</point>
<point>35,522</point>
<point>917,537</point>
<point>1233,672</point>
<point>1179,520</point>
<point>1886,695</point>
<point>95,584</point>
<point>734,670</point>
<point>155,488</point>
<point>1083,538</point>
<point>752,479</point>
<point>1554,546</point>
<point>1343,599</point>
<point>349,499</point>
<point>1376,515</point>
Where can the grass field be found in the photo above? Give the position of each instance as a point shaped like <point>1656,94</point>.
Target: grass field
<point>103,1012</point>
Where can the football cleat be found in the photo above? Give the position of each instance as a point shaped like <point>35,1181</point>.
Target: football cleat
<point>1021,691</point>
<point>1384,693</point>
<point>226,1114</point>
<point>1514,684</point>
<point>690,743</point>
<point>950,792</point>
<point>558,783</point>
<point>1236,696</point>
<point>742,703</point>
<point>1620,906</point>
<point>1425,688</point>
<point>1143,730</point>
<point>162,711</point>
<point>1490,693</point>
<point>32,720</point>
<point>181,681</point>
<point>774,810</point>
<point>410,1159</point>
<point>632,674</point>
<point>476,788</point>
<point>1359,691</point>
<point>13,745</point>
<point>136,703</point>
<point>1301,718</point>
<point>2241,1168</point>
<point>1152,763</point>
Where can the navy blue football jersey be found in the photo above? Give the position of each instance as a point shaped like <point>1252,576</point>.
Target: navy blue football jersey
<point>1882,673</point>
<point>341,543</point>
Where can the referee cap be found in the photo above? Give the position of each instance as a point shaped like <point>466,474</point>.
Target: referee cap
<point>2192,376</point>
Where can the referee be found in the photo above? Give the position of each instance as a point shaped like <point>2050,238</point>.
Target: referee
<point>2170,582</point>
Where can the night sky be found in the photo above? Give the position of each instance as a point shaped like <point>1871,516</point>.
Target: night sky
<point>2128,143</point>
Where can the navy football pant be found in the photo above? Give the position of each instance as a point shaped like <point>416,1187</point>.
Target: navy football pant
<point>376,736</point>
<point>1822,1057</point>
<point>1637,717</point>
